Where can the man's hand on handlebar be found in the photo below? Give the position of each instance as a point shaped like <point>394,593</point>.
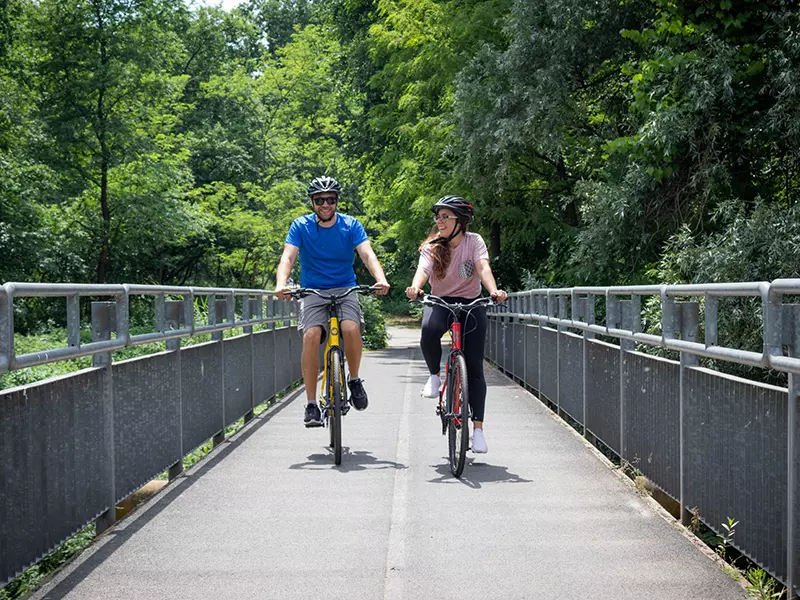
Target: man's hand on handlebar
<point>283,293</point>
<point>381,288</point>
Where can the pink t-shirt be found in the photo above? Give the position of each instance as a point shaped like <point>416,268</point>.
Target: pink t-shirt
<point>461,278</point>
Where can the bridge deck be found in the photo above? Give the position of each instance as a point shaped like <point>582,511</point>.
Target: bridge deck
<point>269,516</point>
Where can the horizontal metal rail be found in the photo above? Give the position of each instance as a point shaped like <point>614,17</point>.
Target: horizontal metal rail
<point>565,307</point>
<point>676,413</point>
<point>117,425</point>
<point>258,307</point>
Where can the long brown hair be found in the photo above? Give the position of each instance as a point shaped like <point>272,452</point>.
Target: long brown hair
<point>441,252</point>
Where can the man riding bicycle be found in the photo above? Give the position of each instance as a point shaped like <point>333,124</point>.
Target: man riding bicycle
<point>325,241</point>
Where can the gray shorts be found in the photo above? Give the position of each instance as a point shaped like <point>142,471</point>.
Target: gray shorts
<point>314,312</point>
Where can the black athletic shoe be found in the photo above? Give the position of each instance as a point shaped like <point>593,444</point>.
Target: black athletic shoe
<point>358,396</point>
<point>312,418</point>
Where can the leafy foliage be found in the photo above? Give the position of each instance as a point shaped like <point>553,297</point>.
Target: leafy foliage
<point>375,335</point>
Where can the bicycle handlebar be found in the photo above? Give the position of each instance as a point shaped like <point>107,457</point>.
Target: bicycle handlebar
<point>431,300</point>
<point>303,292</point>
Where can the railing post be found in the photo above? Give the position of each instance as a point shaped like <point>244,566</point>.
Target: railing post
<point>230,308</point>
<point>74,321</point>
<point>6,328</point>
<point>588,317</point>
<point>791,338</point>
<point>248,329</point>
<point>174,311</point>
<point>686,318</point>
<point>526,309</point>
<point>270,311</point>
<point>160,313</point>
<point>216,312</point>
<point>272,327</point>
<point>541,310</point>
<point>512,308</point>
<point>613,321</point>
<point>625,316</point>
<point>103,323</point>
<point>561,305</point>
<point>504,344</point>
<point>711,310</point>
<point>497,332</point>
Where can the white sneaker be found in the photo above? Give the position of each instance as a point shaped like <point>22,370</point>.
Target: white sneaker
<point>431,389</point>
<point>479,442</point>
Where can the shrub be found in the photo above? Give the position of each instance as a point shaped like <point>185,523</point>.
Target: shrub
<point>375,334</point>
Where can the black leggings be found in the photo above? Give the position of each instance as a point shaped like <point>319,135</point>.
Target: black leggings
<point>435,323</point>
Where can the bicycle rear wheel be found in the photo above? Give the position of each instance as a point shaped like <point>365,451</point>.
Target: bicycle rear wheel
<point>336,388</point>
<point>458,415</point>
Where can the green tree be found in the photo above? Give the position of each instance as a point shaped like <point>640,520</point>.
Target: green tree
<point>277,20</point>
<point>110,101</point>
<point>533,117</point>
<point>268,131</point>
<point>25,243</point>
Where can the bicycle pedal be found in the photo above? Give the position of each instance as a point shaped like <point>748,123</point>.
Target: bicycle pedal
<point>345,409</point>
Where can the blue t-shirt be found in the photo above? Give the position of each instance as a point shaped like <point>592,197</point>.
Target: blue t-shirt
<point>326,253</point>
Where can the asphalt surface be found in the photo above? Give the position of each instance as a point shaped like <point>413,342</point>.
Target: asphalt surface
<point>268,515</point>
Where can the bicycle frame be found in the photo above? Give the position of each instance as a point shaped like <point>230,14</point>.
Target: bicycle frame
<point>331,345</point>
<point>455,351</point>
<point>331,413</point>
<point>454,397</point>
<point>456,347</point>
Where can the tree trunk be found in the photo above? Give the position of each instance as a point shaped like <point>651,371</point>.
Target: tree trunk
<point>570,213</point>
<point>102,263</point>
<point>494,240</point>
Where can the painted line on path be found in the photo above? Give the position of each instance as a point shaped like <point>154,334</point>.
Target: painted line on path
<point>395,553</point>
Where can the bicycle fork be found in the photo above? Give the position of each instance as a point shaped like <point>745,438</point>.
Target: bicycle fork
<point>326,386</point>
<point>455,410</point>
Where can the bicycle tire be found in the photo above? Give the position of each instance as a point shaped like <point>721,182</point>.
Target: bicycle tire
<point>336,396</point>
<point>458,415</point>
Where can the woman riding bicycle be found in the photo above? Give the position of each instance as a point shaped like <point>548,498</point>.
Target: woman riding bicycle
<point>456,262</point>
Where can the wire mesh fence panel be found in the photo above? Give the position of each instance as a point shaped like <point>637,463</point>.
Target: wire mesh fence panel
<point>56,467</point>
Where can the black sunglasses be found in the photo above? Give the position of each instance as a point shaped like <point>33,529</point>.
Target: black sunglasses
<point>329,200</point>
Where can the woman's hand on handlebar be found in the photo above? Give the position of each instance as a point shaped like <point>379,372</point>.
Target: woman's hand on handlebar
<point>499,296</point>
<point>413,293</point>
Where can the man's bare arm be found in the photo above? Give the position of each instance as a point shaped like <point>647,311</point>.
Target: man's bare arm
<point>367,255</point>
<point>284,269</point>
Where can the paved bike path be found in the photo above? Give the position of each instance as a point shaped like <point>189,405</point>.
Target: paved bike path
<point>268,515</point>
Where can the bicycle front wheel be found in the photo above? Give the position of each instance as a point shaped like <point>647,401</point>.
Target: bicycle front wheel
<point>337,381</point>
<point>458,415</point>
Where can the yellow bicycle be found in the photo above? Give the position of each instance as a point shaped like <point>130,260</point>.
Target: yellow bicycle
<point>333,405</point>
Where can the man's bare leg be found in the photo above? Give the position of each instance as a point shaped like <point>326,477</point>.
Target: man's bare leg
<point>310,361</point>
<point>353,346</point>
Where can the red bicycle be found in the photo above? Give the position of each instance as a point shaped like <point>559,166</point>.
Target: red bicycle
<point>453,408</point>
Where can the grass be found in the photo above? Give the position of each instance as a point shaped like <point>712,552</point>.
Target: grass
<point>57,338</point>
<point>39,573</point>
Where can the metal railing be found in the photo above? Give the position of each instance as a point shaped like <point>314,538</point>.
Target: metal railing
<point>720,445</point>
<point>72,447</point>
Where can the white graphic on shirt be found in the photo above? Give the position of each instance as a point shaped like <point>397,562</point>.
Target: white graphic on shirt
<point>466,269</point>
